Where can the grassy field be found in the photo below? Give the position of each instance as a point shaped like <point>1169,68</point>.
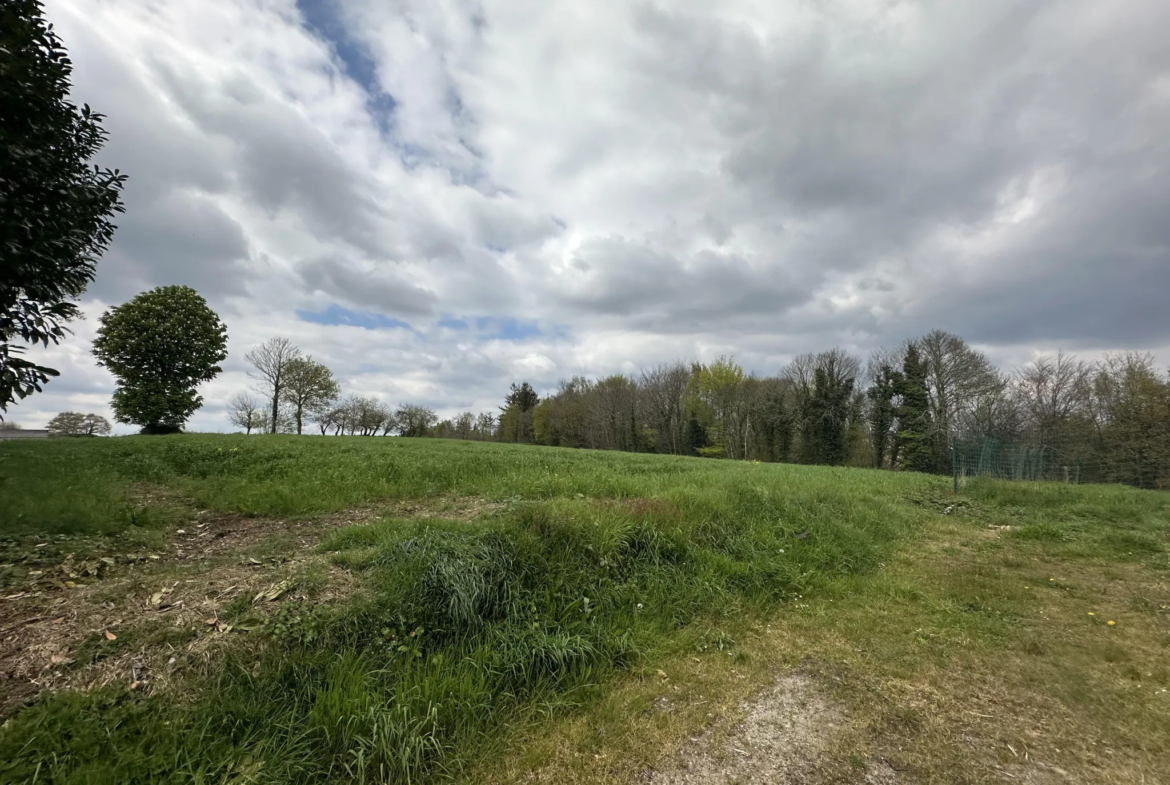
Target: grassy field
<point>282,609</point>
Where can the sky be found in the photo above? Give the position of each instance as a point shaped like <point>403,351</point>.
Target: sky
<point>438,198</point>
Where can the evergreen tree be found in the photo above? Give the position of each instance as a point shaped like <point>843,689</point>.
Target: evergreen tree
<point>695,436</point>
<point>524,398</point>
<point>516,415</point>
<point>882,411</point>
<point>829,418</point>
<point>914,432</point>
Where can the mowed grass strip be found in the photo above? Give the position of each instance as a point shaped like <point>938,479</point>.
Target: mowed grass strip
<point>591,564</point>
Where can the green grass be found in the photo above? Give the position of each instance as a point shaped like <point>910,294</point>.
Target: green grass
<point>590,564</point>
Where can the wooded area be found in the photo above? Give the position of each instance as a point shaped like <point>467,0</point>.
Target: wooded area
<point>901,408</point>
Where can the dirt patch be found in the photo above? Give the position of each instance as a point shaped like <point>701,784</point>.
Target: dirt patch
<point>142,627</point>
<point>173,609</point>
<point>142,619</point>
<point>782,738</point>
<point>212,534</point>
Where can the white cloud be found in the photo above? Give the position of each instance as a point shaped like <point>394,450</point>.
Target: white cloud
<point>645,181</point>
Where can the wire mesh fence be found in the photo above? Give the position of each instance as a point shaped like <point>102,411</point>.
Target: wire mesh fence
<point>1079,463</point>
<point>1012,461</point>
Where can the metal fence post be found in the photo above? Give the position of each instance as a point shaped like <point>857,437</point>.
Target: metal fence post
<point>954,466</point>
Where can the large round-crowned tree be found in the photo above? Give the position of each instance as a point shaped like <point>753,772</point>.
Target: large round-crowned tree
<point>161,345</point>
<point>55,207</point>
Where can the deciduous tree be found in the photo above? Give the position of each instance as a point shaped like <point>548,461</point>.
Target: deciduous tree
<point>160,346</point>
<point>464,424</point>
<point>308,387</point>
<point>662,395</point>
<point>414,420</point>
<point>271,362</point>
<point>957,377</point>
<point>78,424</point>
<point>245,412</point>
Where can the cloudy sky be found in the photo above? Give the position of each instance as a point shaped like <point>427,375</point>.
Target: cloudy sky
<point>439,197</point>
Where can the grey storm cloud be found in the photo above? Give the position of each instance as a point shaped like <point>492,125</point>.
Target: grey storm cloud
<point>864,142</point>
<point>178,238</point>
<point>655,291</point>
<point>284,163</point>
<point>382,290</point>
<point>658,179</point>
<point>1098,275</point>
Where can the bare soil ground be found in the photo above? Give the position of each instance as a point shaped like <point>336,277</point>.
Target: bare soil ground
<point>782,738</point>
<point>139,616</point>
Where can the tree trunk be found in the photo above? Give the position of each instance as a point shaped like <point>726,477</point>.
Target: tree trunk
<point>275,407</point>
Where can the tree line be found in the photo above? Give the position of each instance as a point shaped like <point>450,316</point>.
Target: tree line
<point>299,393</point>
<point>900,408</point>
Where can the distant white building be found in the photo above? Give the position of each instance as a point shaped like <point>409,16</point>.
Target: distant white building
<point>21,433</point>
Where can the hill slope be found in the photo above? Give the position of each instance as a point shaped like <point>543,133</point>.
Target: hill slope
<point>315,609</point>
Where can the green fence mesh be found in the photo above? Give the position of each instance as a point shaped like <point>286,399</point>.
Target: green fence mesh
<point>1012,461</point>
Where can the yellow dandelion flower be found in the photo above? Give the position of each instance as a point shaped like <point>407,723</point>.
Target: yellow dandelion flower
<point>1111,622</point>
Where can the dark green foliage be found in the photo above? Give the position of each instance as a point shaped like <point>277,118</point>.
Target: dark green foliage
<point>78,424</point>
<point>55,210</point>
<point>915,440</point>
<point>827,418</point>
<point>882,412</point>
<point>160,346</point>
<point>524,398</point>
<point>695,436</point>
<point>778,430</point>
<point>517,415</point>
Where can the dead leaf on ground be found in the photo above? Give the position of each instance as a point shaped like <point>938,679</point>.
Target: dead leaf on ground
<point>157,600</point>
<point>111,636</point>
<point>272,593</point>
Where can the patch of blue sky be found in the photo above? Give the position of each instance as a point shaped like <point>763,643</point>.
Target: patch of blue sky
<point>336,315</point>
<point>323,19</point>
<point>495,328</point>
<point>451,323</point>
